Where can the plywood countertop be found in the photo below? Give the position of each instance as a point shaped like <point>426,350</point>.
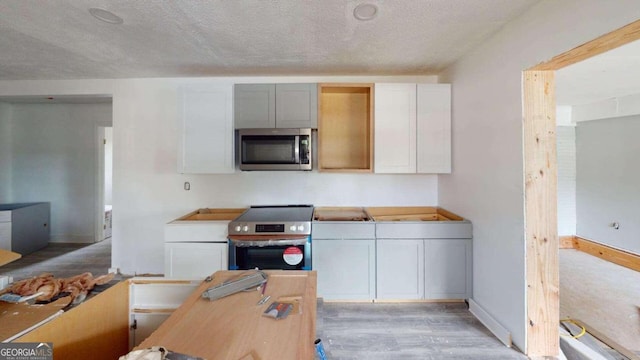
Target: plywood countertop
<point>233,327</point>
<point>411,213</point>
<point>212,214</point>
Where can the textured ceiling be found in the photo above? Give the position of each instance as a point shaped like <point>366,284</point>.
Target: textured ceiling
<point>613,74</point>
<point>59,39</point>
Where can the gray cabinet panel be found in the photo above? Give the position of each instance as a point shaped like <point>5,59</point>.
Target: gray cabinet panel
<point>343,230</point>
<point>400,269</point>
<point>346,268</point>
<point>448,269</point>
<point>297,105</point>
<point>254,106</point>
<point>28,229</point>
<point>424,230</point>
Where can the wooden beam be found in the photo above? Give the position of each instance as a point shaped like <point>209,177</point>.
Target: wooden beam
<point>541,238</point>
<point>620,257</point>
<point>612,40</point>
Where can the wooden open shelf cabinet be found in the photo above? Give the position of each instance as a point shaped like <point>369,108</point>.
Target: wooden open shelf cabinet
<point>345,127</point>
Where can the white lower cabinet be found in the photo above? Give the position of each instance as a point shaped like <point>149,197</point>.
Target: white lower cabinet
<point>447,268</point>
<point>194,260</point>
<point>195,249</point>
<point>346,268</point>
<point>152,301</point>
<point>400,269</point>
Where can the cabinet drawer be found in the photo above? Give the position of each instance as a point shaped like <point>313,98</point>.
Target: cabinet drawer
<point>5,216</point>
<point>196,231</point>
<point>424,230</point>
<point>343,230</point>
<point>194,260</point>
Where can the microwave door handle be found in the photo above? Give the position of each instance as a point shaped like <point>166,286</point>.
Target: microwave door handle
<point>296,151</point>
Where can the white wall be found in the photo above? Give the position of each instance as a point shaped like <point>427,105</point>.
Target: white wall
<point>566,146</point>
<point>108,166</point>
<point>148,191</point>
<point>53,155</point>
<point>5,153</point>
<point>607,183</point>
<point>487,181</point>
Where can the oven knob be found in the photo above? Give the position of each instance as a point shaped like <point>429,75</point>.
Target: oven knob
<point>300,227</point>
<point>292,228</point>
<point>245,228</point>
<point>238,228</point>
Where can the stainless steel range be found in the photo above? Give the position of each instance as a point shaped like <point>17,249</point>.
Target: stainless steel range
<point>271,237</point>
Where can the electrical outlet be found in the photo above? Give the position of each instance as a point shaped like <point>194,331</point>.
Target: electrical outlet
<point>187,186</point>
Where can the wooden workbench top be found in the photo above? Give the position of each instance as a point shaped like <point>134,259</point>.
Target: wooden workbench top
<point>234,328</point>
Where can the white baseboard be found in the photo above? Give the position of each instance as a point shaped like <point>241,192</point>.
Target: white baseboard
<point>84,239</point>
<point>492,324</point>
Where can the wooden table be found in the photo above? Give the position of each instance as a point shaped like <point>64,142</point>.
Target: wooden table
<point>234,328</point>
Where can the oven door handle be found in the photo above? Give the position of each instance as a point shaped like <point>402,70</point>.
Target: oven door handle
<point>267,242</point>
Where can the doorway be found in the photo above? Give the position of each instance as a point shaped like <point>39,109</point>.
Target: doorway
<point>539,108</point>
<point>104,180</point>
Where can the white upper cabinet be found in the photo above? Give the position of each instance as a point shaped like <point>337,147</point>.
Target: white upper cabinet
<point>412,128</point>
<point>206,129</point>
<point>276,105</point>
<point>434,129</point>
<point>255,106</point>
<point>395,128</point>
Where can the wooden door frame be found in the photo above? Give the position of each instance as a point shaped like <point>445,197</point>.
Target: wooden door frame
<point>540,181</point>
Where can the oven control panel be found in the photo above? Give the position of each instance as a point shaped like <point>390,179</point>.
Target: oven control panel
<point>250,228</point>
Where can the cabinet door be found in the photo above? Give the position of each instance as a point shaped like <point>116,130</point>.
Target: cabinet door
<point>346,268</point>
<point>206,130</point>
<point>434,128</point>
<point>255,106</point>
<point>448,269</point>
<point>5,236</point>
<point>400,271</point>
<point>297,106</point>
<point>194,260</point>
<point>395,128</point>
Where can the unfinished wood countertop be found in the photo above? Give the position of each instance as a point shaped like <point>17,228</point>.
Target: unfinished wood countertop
<point>340,214</point>
<point>411,213</point>
<point>212,214</point>
<point>233,327</point>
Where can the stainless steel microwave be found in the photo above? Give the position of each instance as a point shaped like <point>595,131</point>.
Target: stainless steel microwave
<point>275,149</point>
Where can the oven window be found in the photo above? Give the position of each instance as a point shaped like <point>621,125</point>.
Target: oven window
<point>266,258</point>
<point>268,150</point>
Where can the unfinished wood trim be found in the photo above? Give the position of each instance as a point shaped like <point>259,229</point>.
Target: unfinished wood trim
<point>612,40</point>
<point>96,329</point>
<point>607,340</point>
<point>540,112</point>
<point>540,167</point>
<point>616,256</point>
<point>566,242</point>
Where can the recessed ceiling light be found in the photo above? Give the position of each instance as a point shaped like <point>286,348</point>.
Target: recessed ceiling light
<point>106,16</point>
<point>365,11</point>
